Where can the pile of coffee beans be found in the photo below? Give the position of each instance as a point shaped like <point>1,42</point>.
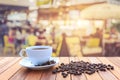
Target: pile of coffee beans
<point>47,63</point>
<point>79,67</point>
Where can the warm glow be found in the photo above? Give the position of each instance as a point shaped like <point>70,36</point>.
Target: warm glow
<point>31,1</point>
<point>83,23</point>
<point>68,3</point>
<point>98,24</point>
<point>60,13</point>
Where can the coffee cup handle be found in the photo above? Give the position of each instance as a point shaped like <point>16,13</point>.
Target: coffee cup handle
<point>21,52</point>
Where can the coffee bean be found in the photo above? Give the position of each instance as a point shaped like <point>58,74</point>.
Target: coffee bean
<point>54,71</point>
<point>78,73</point>
<point>58,70</point>
<point>112,68</point>
<point>109,65</point>
<point>97,70</point>
<point>102,69</point>
<point>62,70</point>
<point>64,74</point>
<point>47,63</point>
<point>89,72</point>
<point>79,67</point>
<point>62,64</point>
<point>105,66</point>
<point>70,71</point>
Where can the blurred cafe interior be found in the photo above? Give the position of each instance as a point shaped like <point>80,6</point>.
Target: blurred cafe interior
<point>71,27</point>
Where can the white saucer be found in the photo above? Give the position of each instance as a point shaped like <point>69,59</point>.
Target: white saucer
<point>25,62</point>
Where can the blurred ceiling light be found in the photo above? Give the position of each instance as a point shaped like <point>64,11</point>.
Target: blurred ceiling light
<point>58,3</point>
<point>79,23</point>
<point>74,14</point>
<point>98,23</point>
<point>114,21</point>
<point>55,4</point>
<point>31,1</point>
<point>68,3</point>
<point>82,23</point>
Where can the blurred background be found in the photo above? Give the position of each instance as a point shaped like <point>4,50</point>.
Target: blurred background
<point>71,27</point>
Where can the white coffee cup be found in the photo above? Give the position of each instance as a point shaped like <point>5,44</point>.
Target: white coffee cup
<point>37,54</point>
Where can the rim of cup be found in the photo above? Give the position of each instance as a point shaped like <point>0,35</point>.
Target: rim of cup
<point>47,47</point>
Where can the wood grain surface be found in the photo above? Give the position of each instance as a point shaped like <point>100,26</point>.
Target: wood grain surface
<point>10,69</point>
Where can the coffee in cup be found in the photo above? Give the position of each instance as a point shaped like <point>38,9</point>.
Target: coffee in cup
<point>37,54</point>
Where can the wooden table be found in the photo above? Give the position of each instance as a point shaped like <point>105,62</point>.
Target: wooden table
<point>11,70</point>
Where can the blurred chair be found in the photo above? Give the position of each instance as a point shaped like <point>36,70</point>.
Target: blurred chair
<point>106,36</point>
<point>30,41</point>
<point>8,45</point>
<point>73,44</point>
<point>58,48</point>
<point>92,48</point>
